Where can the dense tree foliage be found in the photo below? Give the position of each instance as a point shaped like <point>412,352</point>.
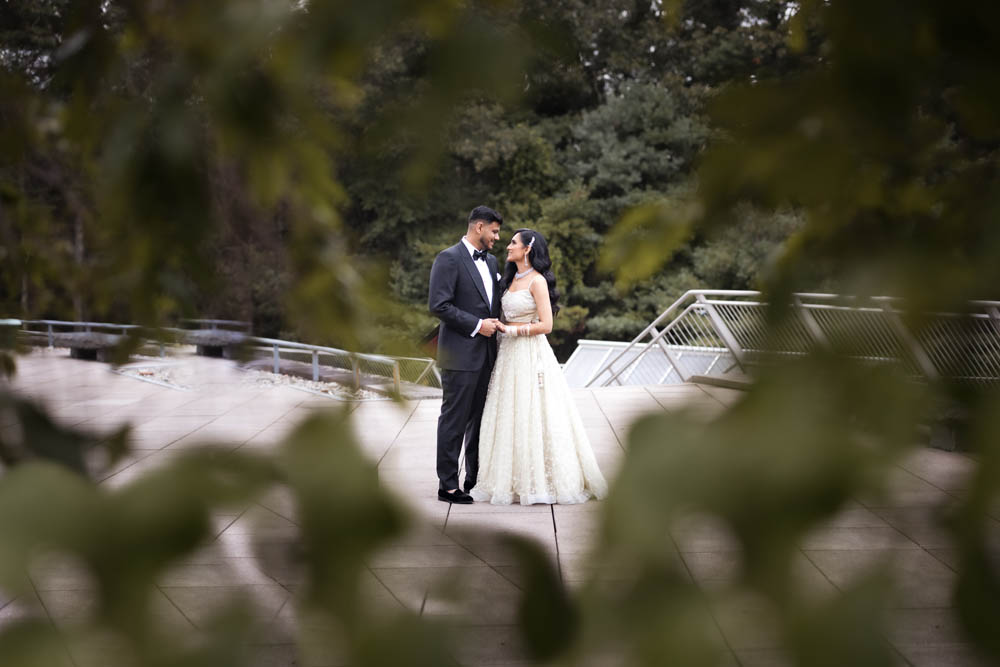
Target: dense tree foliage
<point>610,117</point>
<point>286,161</point>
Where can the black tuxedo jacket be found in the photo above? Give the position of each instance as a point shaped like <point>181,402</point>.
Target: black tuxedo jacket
<point>458,298</point>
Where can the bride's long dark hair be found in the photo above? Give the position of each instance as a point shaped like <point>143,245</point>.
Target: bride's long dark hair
<point>540,261</point>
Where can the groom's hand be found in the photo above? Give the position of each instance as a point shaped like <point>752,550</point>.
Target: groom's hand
<point>489,327</point>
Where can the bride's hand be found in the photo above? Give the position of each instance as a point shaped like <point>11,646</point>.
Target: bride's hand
<point>501,327</point>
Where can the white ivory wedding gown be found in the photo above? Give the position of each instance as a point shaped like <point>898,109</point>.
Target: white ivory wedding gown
<point>532,445</point>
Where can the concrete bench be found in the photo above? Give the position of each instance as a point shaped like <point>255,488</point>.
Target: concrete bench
<point>215,342</point>
<point>88,344</point>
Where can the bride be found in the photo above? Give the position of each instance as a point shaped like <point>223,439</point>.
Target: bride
<point>532,445</point>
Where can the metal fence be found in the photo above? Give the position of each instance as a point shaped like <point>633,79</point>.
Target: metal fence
<point>355,369</point>
<point>47,330</point>
<point>723,334</point>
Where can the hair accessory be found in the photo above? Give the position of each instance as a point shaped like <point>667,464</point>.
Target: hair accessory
<point>531,242</point>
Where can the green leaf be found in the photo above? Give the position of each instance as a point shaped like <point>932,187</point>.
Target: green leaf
<point>548,617</point>
<point>646,238</point>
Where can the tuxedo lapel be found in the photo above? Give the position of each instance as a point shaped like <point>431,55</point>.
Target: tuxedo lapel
<point>470,266</point>
<point>494,271</point>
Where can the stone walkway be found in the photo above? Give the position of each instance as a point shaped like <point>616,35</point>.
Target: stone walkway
<point>224,406</point>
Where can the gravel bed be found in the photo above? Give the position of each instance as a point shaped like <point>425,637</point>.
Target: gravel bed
<point>153,369</point>
<point>331,389</point>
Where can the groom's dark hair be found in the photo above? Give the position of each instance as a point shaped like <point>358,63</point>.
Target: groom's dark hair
<point>486,214</point>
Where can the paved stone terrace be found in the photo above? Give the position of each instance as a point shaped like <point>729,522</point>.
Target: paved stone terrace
<point>222,405</point>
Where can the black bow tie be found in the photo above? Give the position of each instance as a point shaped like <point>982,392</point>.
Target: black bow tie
<point>478,254</point>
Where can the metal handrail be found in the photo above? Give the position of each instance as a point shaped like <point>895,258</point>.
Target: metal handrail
<point>361,363</point>
<point>393,363</point>
<point>214,324</point>
<point>87,327</point>
<point>963,346</point>
<point>657,336</point>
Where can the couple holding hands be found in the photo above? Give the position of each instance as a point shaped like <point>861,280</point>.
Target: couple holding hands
<point>504,393</point>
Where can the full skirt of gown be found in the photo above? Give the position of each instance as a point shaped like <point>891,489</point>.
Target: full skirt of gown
<point>532,444</point>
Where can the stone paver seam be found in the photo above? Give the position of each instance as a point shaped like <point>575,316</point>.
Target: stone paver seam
<point>473,554</point>
<point>229,525</point>
<point>253,560</point>
<point>179,610</point>
<point>112,474</point>
<point>279,514</point>
<point>281,607</point>
<point>899,654</point>
<point>388,449</point>
<point>653,396</point>
<point>670,408</point>
<point>613,431</point>
<point>390,591</point>
<point>711,395</point>
<point>711,613</point>
<point>261,430</point>
<point>180,437</point>
<point>118,472</point>
<point>555,537</point>
<point>922,479</point>
<point>52,621</point>
<point>423,603</point>
<point>886,639</point>
<point>238,405</point>
<point>816,565</point>
<point>922,547</point>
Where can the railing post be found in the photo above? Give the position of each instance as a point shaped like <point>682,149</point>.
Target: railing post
<point>427,369</point>
<point>923,361</point>
<point>277,360</point>
<point>396,384</point>
<point>163,350</point>
<point>315,359</point>
<point>52,338</point>
<point>811,325</point>
<point>599,368</point>
<point>357,372</point>
<point>994,316</point>
<point>720,328</point>
<point>609,365</point>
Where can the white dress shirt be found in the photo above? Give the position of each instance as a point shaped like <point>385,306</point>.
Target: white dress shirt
<point>484,272</point>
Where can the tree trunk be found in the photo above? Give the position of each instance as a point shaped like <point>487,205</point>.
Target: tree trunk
<point>24,293</point>
<point>78,255</point>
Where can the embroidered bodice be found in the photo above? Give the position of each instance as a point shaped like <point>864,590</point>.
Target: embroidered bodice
<point>519,306</point>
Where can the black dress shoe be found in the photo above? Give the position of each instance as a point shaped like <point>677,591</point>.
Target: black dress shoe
<point>457,496</point>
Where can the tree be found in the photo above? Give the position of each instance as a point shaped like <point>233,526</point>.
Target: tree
<point>876,123</point>
<point>885,147</point>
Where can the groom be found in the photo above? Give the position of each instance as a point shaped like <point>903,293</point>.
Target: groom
<point>465,295</point>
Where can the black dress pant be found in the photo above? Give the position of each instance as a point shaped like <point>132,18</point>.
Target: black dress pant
<point>461,414</point>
